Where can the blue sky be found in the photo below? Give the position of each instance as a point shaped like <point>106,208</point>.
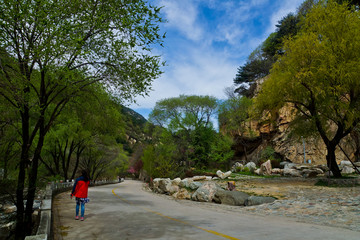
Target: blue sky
<point>206,41</point>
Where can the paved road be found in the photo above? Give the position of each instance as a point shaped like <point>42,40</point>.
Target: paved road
<point>125,211</point>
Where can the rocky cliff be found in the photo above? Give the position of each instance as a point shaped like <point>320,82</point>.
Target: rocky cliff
<point>277,135</point>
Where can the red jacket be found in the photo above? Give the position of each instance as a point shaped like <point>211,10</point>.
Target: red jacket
<point>80,188</point>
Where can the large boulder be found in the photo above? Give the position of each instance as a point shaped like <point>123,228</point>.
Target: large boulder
<point>309,173</point>
<point>292,172</point>
<point>206,192</point>
<point>283,164</point>
<point>237,167</point>
<point>185,183</point>
<point>258,171</point>
<point>164,185</point>
<point>289,165</point>
<point>222,175</point>
<point>155,185</point>
<point>257,200</point>
<point>251,166</point>
<point>182,194</point>
<point>176,181</point>
<point>195,185</point>
<point>345,163</point>
<point>234,198</point>
<point>198,178</point>
<point>347,169</point>
<point>277,171</point>
<point>265,168</point>
<point>173,189</point>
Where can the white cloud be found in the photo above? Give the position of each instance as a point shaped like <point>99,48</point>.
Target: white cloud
<point>182,15</point>
<point>201,72</point>
<point>203,59</point>
<point>285,8</point>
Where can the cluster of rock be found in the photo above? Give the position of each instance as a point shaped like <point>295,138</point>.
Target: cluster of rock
<point>202,189</point>
<point>289,169</point>
<point>8,217</point>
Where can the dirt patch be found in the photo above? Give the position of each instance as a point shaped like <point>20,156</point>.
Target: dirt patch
<point>281,188</point>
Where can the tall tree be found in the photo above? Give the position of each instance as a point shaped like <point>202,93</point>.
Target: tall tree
<point>184,112</point>
<point>319,75</point>
<point>53,50</point>
<point>188,119</point>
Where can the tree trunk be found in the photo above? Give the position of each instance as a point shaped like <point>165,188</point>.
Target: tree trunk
<point>331,161</point>
<point>33,177</point>
<point>19,231</point>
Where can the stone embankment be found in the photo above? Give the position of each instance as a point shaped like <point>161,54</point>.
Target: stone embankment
<point>206,189</point>
<point>295,196</point>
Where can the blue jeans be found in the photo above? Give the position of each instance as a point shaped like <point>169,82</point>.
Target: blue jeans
<point>78,204</point>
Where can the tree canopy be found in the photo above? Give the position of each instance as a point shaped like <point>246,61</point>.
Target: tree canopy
<point>184,112</point>
<point>319,75</point>
<point>52,50</point>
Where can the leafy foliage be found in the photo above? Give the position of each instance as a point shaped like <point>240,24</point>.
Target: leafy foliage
<point>184,112</point>
<point>234,116</point>
<point>159,161</point>
<point>53,50</point>
<point>318,74</point>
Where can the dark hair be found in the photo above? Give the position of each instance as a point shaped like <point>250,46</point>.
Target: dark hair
<point>85,175</point>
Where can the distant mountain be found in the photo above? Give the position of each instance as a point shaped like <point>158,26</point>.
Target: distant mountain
<point>133,116</point>
<point>134,129</point>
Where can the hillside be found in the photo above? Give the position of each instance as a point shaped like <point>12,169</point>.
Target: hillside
<point>134,128</point>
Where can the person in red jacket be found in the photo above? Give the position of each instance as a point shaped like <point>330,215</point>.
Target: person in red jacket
<point>80,191</point>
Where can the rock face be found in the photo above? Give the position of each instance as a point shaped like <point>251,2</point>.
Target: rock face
<point>292,149</point>
<point>206,192</point>
<point>234,198</point>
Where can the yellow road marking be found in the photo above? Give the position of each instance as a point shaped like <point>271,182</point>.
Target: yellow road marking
<point>177,220</point>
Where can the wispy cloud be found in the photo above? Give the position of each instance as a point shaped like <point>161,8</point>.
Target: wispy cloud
<point>208,40</point>
<point>283,9</point>
<point>182,15</point>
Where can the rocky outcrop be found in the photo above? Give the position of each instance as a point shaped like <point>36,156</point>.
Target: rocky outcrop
<point>286,146</point>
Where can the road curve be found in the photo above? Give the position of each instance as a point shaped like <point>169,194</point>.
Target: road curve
<point>125,211</point>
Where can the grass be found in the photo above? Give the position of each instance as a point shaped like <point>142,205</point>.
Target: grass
<point>329,183</point>
<point>253,175</point>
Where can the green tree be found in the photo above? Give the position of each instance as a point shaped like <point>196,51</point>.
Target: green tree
<point>319,75</point>
<point>222,152</point>
<point>188,120</point>
<point>234,119</point>
<point>51,50</point>
<point>159,160</point>
<point>234,116</point>
<point>184,112</point>
<point>83,122</point>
